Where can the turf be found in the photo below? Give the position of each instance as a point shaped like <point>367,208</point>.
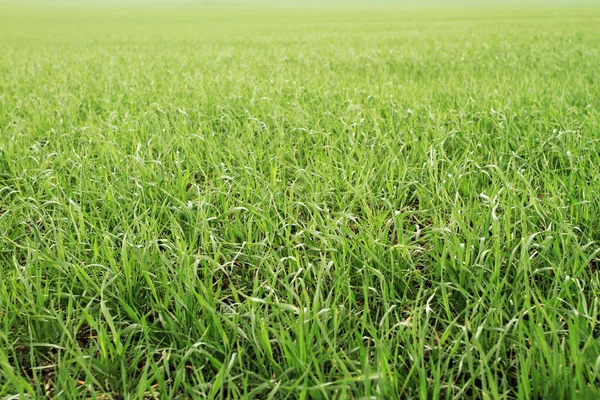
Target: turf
<point>297,203</point>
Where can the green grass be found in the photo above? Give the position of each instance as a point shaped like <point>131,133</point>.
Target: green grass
<point>296,203</point>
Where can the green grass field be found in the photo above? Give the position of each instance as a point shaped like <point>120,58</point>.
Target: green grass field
<point>281,203</point>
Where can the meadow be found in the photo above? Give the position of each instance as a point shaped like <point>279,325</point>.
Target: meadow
<point>281,203</point>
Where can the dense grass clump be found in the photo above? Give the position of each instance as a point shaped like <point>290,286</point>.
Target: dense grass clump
<point>286,203</point>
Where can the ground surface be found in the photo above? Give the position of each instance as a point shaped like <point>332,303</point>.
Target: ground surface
<point>299,204</point>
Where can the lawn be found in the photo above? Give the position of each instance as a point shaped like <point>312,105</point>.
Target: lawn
<point>281,202</point>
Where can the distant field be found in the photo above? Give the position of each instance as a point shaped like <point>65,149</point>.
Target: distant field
<point>302,203</point>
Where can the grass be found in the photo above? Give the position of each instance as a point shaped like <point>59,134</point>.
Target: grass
<point>299,203</point>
